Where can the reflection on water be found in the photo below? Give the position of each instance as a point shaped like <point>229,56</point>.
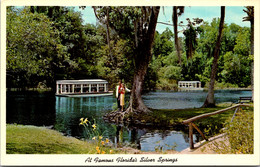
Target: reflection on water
<point>64,113</point>
<point>165,140</point>
<point>30,108</point>
<point>69,110</point>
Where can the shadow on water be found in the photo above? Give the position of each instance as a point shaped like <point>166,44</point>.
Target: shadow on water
<point>31,108</point>
<point>63,113</point>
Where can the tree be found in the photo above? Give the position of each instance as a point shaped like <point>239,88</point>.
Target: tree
<point>250,17</point>
<point>191,34</point>
<point>177,11</point>
<point>163,43</point>
<point>145,30</point>
<point>114,63</point>
<point>34,49</point>
<point>73,36</point>
<point>138,25</point>
<point>210,102</point>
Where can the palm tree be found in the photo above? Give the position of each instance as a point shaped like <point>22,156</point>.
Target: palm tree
<point>210,102</point>
<point>250,17</point>
<point>177,11</point>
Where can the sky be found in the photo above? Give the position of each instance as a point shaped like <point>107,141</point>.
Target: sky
<point>233,14</point>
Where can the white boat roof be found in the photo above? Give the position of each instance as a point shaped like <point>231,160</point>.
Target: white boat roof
<point>82,81</point>
<point>188,81</point>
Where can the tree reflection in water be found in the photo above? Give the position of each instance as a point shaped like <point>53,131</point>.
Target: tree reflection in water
<point>63,113</point>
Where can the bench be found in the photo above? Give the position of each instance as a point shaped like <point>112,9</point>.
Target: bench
<point>247,99</point>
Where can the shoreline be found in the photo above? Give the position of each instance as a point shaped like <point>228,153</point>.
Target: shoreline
<point>201,147</point>
<point>50,90</point>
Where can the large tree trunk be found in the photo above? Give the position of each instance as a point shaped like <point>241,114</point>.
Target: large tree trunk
<point>144,37</point>
<point>210,101</point>
<point>250,17</point>
<point>142,61</point>
<point>252,53</point>
<point>175,25</point>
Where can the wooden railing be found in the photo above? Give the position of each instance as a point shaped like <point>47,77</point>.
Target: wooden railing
<point>192,125</point>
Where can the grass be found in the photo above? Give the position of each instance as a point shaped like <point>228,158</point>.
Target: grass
<point>174,118</point>
<point>22,139</point>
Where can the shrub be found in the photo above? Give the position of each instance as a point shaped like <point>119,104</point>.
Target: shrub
<point>240,135</point>
<point>167,84</point>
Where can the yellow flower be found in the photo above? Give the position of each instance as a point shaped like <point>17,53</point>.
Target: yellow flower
<point>81,123</point>
<point>100,137</point>
<point>111,151</point>
<point>102,142</point>
<point>103,152</point>
<point>93,138</point>
<point>86,120</point>
<point>98,151</point>
<point>107,140</point>
<point>94,126</point>
<point>97,148</point>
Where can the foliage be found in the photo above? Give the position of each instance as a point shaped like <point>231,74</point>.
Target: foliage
<point>163,43</point>
<point>191,34</point>
<point>49,43</point>
<point>118,64</point>
<point>166,84</point>
<point>172,72</point>
<point>92,132</point>
<point>223,85</point>
<point>34,49</point>
<point>199,66</point>
<point>240,134</point>
<point>250,13</point>
<point>54,44</point>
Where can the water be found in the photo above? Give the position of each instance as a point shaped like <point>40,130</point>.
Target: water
<point>63,113</point>
<point>189,99</point>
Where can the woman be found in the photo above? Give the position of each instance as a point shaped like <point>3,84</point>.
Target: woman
<point>118,87</point>
<point>122,96</point>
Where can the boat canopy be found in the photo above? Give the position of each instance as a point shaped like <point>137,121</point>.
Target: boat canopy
<point>189,84</point>
<point>81,86</point>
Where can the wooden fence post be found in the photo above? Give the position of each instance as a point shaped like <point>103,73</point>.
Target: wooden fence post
<point>204,137</point>
<point>237,108</point>
<point>235,113</point>
<point>191,135</point>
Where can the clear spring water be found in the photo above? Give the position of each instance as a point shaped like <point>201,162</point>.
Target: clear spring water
<point>63,114</point>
